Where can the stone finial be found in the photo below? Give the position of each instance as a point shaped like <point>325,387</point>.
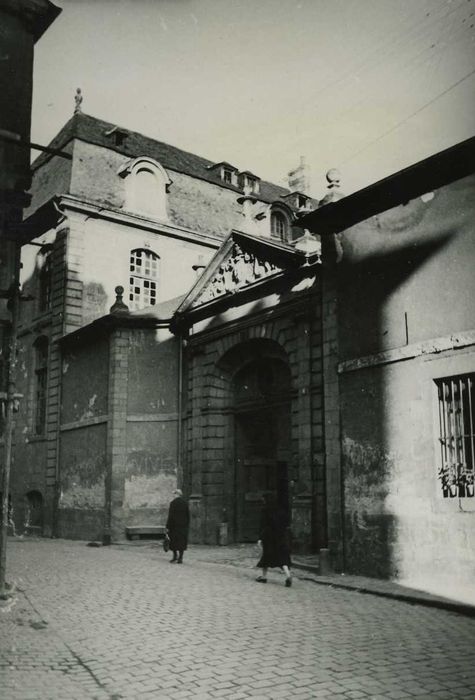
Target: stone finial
<point>78,101</point>
<point>333,177</point>
<point>308,244</point>
<point>118,307</point>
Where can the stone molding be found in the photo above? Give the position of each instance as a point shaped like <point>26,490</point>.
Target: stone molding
<point>435,346</point>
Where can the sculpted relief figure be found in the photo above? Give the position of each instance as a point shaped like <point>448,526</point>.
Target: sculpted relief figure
<point>240,269</point>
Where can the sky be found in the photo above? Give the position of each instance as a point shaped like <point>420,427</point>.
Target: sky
<point>365,86</point>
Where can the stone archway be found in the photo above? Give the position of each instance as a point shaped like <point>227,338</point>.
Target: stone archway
<point>254,392</point>
<point>261,398</point>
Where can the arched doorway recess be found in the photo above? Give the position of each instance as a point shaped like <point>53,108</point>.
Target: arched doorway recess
<point>34,513</point>
<point>261,410</point>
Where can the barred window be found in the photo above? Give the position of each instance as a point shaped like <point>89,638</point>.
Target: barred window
<point>143,282</point>
<point>457,435</point>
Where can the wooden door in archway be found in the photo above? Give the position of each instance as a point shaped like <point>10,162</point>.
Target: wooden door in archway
<point>262,442</point>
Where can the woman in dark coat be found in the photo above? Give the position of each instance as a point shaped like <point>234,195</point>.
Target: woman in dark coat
<point>177,526</point>
<point>274,537</point>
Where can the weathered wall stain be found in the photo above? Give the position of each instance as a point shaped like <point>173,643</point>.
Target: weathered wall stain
<point>368,524</point>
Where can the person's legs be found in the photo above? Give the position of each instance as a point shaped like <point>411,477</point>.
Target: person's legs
<point>174,556</point>
<point>288,575</point>
<point>263,578</point>
<point>180,557</point>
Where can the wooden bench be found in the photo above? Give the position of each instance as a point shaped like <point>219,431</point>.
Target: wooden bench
<point>142,532</point>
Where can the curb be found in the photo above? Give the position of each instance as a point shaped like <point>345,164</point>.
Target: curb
<point>411,599</point>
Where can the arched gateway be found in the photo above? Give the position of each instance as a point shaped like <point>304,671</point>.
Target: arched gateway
<point>259,415</point>
<point>252,397</point>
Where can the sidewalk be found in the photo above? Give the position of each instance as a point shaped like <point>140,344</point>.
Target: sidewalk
<point>307,566</point>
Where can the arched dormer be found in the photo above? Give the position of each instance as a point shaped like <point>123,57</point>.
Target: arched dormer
<point>146,186</point>
<point>280,218</point>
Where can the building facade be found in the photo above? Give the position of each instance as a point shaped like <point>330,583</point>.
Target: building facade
<point>187,329</point>
<point>398,276</point>
<point>128,211</point>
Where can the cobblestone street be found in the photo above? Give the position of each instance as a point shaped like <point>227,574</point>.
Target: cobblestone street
<point>121,622</point>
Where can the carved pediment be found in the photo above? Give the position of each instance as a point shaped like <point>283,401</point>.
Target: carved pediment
<point>239,270</point>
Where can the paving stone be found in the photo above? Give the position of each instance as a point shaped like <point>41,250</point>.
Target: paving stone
<point>119,622</point>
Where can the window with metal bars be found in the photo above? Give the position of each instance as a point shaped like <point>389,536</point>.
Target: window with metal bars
<point>456,398</point>
<point>143,282</point>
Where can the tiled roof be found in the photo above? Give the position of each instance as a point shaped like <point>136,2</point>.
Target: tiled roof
<point>162,311</point>
<point>92,130</point>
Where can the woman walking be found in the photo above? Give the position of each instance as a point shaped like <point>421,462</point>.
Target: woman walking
<point>177,526</point>
<point>274,537</point>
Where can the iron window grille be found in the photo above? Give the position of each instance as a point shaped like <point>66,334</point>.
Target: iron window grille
<point>143,282</point>
<point>456,399</point>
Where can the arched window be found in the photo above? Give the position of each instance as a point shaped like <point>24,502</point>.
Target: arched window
<point>41,380</point>
<point>146,187</point>
<point>144,275</point>
<point>279,225</point>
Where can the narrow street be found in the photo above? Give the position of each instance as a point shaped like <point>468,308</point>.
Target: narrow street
<point>121,622</point>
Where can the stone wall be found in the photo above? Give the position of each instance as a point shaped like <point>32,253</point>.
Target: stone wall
<point>406,319</point>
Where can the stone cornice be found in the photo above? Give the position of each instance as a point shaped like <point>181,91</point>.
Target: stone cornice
<point>72,203</point>
<point>435,346</point>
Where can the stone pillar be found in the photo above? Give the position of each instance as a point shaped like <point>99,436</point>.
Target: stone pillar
<point>302,523</point>
<point>195,457</point>
<point>116,436</point>
<point>302,499</point>
<point>58,305</point>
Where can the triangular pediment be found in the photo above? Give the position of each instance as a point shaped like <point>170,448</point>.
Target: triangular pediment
<point>238,270</point>
<point>241,268</point>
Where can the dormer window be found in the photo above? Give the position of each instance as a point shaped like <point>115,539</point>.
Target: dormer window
<point>116,135</point>
<point>279,225</point>
<point>298,200</point>
<point>227,172</point>
<point>146,186</point>
<point>227,176</point>
<point>249,181</point>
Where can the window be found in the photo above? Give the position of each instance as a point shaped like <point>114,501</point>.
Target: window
<point>456,399</point>
<point>44,285</point>
<point>41,377</point>
<point>146,187</point>
<point>249,182</point>
<point>143,278</point>
<point>227,176</point>
<point>278,225</point>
